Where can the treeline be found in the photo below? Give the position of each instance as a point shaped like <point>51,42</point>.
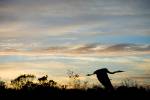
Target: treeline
<point>25,86</point>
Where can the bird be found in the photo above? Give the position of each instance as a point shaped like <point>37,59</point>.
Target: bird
<point>43,79</point>
<point>103,78</point>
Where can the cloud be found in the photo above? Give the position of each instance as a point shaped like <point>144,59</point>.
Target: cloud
<point>117,48</point>
<point>128,47</point>
<point>58,17</point>
<point>52,23</point>
<point>142,78</point>
<point>144,65</point>
<point>85,50</point>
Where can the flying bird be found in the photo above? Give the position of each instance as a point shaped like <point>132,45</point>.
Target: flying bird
<point>102,76</point>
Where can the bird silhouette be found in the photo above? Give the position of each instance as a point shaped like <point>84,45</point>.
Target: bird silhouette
<point>103,77</point>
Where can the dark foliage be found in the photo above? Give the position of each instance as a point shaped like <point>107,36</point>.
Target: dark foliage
<point>50,89</point>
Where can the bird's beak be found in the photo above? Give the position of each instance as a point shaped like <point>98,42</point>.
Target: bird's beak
<point>89,74</point>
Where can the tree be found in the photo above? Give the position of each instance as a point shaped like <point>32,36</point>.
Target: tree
<point>2,84</point>
<point>22,80</point>
<point>74,79</point>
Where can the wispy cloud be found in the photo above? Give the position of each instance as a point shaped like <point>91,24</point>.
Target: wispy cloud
<point>128,47</point>
<point>89,49</point>
<point>58,17</point>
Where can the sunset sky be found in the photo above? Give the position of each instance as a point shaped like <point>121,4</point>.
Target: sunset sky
<point>52,36</point>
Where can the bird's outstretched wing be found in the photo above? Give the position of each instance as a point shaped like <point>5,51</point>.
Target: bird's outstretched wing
<point>119,71</point>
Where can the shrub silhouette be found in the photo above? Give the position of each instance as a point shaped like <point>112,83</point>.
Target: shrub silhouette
<point>50,88</point>
<point>22,80</point>
<point>2,84</point>
<point>43,79</point>
<point>52,83</point>
<point>74,79</point>
<point>129,83</point>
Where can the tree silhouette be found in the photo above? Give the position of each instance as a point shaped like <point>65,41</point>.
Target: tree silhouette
<point>49,89</point>
<point>21,80</point>
<point>74,79</point>
<point>43,79</point>
<point>52,83</point>
<point>2,85</point>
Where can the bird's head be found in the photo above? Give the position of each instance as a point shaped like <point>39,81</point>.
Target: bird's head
<point>89,74</point>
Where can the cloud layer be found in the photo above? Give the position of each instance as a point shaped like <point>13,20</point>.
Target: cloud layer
<point>76,33</point>
<point>87,49</point>
<point>42,18</point>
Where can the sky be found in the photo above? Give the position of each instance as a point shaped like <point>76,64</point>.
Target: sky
<point>52,36</point>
